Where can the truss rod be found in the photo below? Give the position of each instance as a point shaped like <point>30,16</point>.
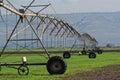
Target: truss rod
<point>23,39</point>
<point>10,37</point>
<point>23,29</point>
<point>43,8</point>
<point>38,37</point>
<point>29,5</point>
<point>36,5</point>
<point>56,26</point>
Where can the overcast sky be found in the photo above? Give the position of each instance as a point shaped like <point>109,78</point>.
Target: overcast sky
<point>72,6</point>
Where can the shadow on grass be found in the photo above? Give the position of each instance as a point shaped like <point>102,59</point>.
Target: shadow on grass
<point>17,75</point>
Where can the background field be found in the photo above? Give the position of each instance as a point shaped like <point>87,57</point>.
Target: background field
<point>74,65</point>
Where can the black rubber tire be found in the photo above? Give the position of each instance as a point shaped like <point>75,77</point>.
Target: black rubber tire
<point>83,52</point>
<point>56,65</point>
<point>23,70</point>
<point>66,54</point>
<point>99,51</point>
<point>92,55</point>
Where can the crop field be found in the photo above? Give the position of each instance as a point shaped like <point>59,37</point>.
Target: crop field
<point>77,63</point>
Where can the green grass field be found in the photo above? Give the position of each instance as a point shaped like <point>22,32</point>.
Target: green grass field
<point>75,64</point>
<point>55,49</point>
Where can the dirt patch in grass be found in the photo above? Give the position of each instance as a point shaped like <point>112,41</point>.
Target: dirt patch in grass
<point>105,73</point>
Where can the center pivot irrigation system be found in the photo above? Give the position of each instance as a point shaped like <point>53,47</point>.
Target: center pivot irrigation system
<point>39,24</point>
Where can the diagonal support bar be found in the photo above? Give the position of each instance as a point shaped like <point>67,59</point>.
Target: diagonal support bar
<point>35,32</point>
<point>10,37</point>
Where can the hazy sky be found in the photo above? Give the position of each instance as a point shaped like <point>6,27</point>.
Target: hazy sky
<point>68,6</point>
<point>72,6</point>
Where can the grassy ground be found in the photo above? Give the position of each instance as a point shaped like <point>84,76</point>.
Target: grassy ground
<point>74,65</point>
<point>41,49</point>
<point>53,49</point>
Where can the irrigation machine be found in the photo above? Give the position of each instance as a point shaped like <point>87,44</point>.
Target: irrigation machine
<point>28,19</point>
<point>87,40</point>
